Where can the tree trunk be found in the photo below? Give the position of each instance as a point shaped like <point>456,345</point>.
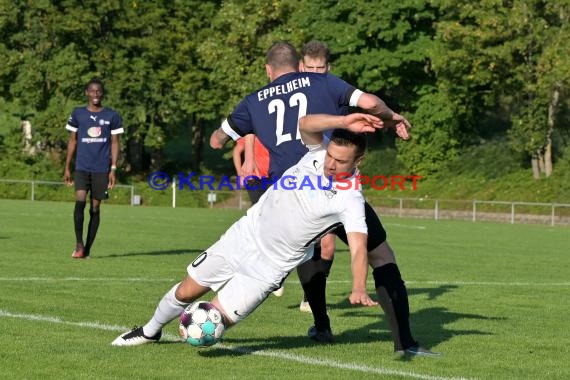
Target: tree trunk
<point>197,139</point>
<point>27,137</point>
<point>541,161</point>
<point>535,169</point>
<point>551,120</point>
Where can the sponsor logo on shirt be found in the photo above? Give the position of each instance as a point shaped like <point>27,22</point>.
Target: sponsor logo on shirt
<point>94,131</point>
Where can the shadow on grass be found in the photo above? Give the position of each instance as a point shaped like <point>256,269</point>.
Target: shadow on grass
<point>429,327</point>
<point>154,253</point>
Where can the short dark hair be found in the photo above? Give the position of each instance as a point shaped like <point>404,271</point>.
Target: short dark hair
<point>282,55</point>
<point>95,81</point>
<point>316,49</point>
<point>344,137</point>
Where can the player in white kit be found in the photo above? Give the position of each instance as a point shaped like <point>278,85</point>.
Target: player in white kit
<point>257,253</point>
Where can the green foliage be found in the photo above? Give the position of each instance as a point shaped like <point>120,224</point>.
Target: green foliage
<point>435,135</point>
<point>461,71</point>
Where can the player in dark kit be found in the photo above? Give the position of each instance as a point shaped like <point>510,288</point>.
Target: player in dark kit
<point>94,135</point>
<point>272,114</point>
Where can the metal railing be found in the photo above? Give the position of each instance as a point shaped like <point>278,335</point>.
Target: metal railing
<point>35,183</point>
<point>426,208</point>
<point>475,210</point>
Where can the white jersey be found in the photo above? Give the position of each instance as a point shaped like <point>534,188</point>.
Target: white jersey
<point>284,224</point>
<point>257,252</point>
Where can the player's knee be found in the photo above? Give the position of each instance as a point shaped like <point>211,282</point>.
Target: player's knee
<point>327,252</point>
<point>81,195</point>
<point>189,290</point>
<point>381,255</point>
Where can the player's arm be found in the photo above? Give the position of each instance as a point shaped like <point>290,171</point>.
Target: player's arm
<point>219,138</point>
<point>71,146</point>
<point>115,148</point>
<point>249,166</point>
<point>236,157</point>
<point>313,126</point>
<point>376,106</point>
<point>357,242</point>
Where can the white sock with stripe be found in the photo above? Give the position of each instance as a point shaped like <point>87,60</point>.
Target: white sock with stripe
<point>168,309</point>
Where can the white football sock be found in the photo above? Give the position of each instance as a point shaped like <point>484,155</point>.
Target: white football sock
<point>168,309</point>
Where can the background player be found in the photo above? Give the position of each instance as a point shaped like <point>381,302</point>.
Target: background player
<point>280,104</point>
<point>255,186</point>
<point>258,251</point>
<point>94,134</point>
<point>315,58</point>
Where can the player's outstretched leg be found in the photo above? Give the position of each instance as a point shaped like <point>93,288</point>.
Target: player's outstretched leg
<point>168,309</point>
<point>393,298</point>
<point>313,279</point>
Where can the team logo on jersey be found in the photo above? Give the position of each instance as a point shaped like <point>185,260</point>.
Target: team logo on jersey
<point>102,122</point>
<point>94,131</point>
<point>330,192</point>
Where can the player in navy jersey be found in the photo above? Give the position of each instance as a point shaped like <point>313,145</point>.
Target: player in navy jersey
<point>94,135</point>
<point>272,114</point>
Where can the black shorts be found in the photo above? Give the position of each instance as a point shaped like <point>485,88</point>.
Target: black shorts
<point>95,183</point>
<point>255,190</point>
<point>376,232</point>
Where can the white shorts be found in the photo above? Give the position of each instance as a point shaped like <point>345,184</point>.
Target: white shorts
<point>235,268</point>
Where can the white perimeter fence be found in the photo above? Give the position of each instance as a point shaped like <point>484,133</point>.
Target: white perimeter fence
<point>425,208</point>
<point>34,184</point>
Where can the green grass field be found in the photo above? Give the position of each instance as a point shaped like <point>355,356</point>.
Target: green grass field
<point>493,298</point>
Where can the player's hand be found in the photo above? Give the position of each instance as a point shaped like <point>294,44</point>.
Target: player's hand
<point>360,297</point>
<point>401,125</point>
<point>67,177</point>
<point>112,179</point>
<point>249,168</point>
<point>362,122</point>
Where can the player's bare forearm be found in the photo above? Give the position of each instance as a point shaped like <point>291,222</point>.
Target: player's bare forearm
<point>312,126</point>
<point>218,139</point>
<point>375,106</point>
<point>236,157</point>
<point>249,148</point>
<point>359,264</point>
<point>71,146</point>
<point>115,149</point>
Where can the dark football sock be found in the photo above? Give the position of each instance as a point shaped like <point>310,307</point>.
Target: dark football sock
<point>314,281</point>
<point>327,264</point>
<point>92,230</point>
<point>78,217</point>
<point>393,298</point>
<point>315,293</point>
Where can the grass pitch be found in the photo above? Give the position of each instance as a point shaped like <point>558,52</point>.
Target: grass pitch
<point>492,298</point>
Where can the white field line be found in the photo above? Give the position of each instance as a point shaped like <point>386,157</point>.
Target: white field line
<point>173,280</point>
<point>241,350</point>
<point>405,226</point>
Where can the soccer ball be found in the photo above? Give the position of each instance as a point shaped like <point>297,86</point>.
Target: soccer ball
<point>201,324</point>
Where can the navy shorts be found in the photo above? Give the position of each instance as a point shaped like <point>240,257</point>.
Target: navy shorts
<point>95,183</point>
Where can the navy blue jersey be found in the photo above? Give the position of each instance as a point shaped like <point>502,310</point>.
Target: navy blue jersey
<point>94,130</point>
<point>272,113</point>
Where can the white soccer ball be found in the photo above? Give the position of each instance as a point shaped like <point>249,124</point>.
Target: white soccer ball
<point>201,324</point>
